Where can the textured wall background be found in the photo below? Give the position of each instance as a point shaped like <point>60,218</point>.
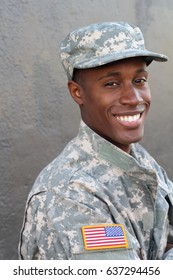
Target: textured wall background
<point>37,115</point>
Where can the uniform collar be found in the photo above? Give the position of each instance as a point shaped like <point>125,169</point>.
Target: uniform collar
<point>137,164</point>
<point>105,150</point>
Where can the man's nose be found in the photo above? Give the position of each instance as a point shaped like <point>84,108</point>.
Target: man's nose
<point>131,96</point>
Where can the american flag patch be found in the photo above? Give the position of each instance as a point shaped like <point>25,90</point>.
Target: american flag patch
<point>107,236</point>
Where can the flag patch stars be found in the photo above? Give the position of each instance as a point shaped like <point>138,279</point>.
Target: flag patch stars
<point>107,236</point>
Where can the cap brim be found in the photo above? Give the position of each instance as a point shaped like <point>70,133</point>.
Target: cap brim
<point>111,57</point>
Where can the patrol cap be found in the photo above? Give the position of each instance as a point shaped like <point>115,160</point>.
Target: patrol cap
<point>102,43</point>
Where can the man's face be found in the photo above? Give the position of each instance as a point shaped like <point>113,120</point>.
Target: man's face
<point>115,100</point>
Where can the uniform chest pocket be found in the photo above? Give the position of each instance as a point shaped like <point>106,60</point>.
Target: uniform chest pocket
<point>78,251</point>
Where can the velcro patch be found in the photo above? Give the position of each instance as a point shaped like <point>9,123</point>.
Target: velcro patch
<point>105,236</point>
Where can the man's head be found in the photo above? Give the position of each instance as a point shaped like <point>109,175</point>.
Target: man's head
<point>106,68</point>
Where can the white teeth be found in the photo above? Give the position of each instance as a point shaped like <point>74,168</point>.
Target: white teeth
<point>128,118</point>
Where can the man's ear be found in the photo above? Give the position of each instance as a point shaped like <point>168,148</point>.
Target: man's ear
<point>76,92</point>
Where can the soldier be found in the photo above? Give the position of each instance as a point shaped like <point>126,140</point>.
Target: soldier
<point>104,196</point>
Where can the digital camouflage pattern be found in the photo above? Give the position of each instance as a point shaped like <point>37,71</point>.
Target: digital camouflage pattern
<point>93,182</point>
<point>101,43</point>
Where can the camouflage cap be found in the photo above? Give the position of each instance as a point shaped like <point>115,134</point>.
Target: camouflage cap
<point>102,43</point>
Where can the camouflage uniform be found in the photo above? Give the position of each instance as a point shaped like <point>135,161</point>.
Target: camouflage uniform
<point>93,182</point>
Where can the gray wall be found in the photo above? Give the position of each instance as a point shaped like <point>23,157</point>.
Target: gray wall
<point>37,115</point>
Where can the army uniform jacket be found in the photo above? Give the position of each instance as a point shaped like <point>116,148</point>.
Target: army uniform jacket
<point>92,182</point>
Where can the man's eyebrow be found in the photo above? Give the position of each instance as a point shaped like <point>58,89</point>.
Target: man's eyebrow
<point>117,73</point>
<point>110,74</point>
<point>141,70</point>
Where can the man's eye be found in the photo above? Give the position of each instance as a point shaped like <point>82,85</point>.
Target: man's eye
<point>141,81</point>
<point>111,84</point>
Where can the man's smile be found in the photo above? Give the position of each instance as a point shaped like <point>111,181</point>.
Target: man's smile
<point>128,118</point>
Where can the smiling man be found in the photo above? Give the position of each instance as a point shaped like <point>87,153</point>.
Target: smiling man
<point>104,196</point>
